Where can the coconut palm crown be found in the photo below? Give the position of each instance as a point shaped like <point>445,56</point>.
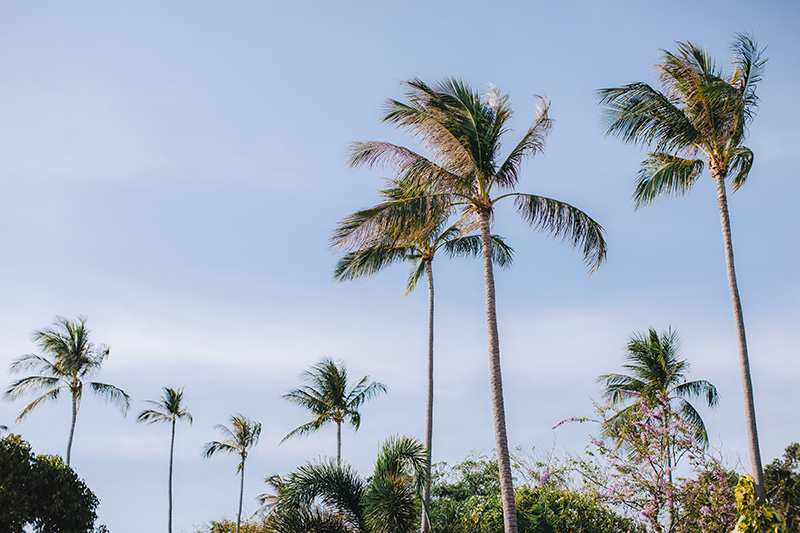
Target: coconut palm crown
<point>73,360</point>
<point>655,369</point>
<point>467,175</point>
<point>327,396</point>
<point>699,117</point>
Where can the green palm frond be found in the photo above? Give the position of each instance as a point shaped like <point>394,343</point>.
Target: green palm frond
<point>169,409</point>
<point>695,423</point>
<point>471,246</point>
<point>31,384</point>
<point>369,260</point>
<point>665,174</point>
<point>741,163</point>
<point>49,395</point>
<point>532,143</point>
<point>564,221</point>
<point>749,63</point>
<point>701,389</point>
<point>112,394</point>
<point>238,439</point>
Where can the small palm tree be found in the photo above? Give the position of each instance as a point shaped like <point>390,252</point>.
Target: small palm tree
<point>73,359</point>
<point>242,436</point>
<point>329,497</point>
<point>463,129</point>
<point>655,369</point>
<point>326,395</point>
<point>700,112</point>
<point>168,409</point>
<point>386,245</point>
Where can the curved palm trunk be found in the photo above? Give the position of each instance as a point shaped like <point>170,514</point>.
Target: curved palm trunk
<point>72,426</point>
<point>426,491</point>
<point>744,362</point>
<point>171,455</point>
<point>241,496</point>
<point>338,443</point>
<point>496,382</point>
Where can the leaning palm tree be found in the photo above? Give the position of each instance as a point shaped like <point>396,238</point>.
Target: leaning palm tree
<point>73,359</point>
<point>328,497</point>
<point>168,409</point>
<point>699,117</point>
<point>417,245</point>
<point>463,131</point>
<point>239,439</point>
<point>326,395</point>
<point>655,369</point>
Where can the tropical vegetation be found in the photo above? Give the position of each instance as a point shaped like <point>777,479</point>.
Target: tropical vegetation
<point>698,118</point>
<point>239,439</point>
<point>73,359</point>
<point>329,397</point>
<point>169,409</point>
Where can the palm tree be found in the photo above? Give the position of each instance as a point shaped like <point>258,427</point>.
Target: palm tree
<point>418,246</point>
<point>703,112</point>
<point>242,436</point>
<point>655,369</point>
<point>328,497</point>
<point>73,360</point>
<point>463,131</point>
<point>170,410</point>
<point>325,394</point>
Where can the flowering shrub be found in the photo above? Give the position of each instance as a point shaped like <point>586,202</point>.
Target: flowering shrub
<point>708,503</point>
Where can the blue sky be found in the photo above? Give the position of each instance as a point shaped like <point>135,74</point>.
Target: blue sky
<point>173,171</point>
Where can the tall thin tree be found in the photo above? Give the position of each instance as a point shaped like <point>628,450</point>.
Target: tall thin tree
<point>169,409</point>
<point>73,359</point>
<point>386,245</point>
<point>462,129</point>
<point>238,439</point>
<point>327,396</point>
<point>700,111</point>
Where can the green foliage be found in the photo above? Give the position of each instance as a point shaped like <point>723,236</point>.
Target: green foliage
<point>782,482</point>
<point>43,491</point>
<point>708,503</point>
<point>466,499</point>
<point>753,517</point>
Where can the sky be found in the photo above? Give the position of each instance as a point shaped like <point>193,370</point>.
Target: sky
<point>172,171</point>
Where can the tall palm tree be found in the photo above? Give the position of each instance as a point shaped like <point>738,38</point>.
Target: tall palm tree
<point>168,409</point>
<point>326,395</point>
<point>73,359</point>
<point>328,497</point>
<point>388,245</point>
<point>655,368</point>
<point>463,131</point>
<point>238,439</point>
<point>699,117</point>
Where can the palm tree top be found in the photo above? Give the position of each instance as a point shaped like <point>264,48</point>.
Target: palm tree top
<point>462,130</point>
<point>238,439</point>
<point>700,110</point>
<point>168,409</point>
<point>655,370</point>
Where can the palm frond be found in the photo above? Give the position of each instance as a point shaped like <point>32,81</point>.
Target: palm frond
<point>665,174</point>
<point>370,260</point>
<point>417,271</point>
<point>565,221</point>
<point>471,246</point>
<point>698,389</point>
<point>532,142</point>
<point>30,384</point>
<point>749,63</point>
<point>695,422</point>
<point>740,164</point>
<point>112,394</point>
<point>49,395</point>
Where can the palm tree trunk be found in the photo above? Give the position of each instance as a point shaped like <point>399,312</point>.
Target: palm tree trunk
<point>241,496</point>
<point>426,491</point>
<point>339,443</point>
<point>171,454</point>
<point>496,382</point>
<point>72,426</point>
<point>744,362</point>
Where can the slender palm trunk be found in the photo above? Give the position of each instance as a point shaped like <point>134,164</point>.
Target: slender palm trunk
<point>744,362</point>
<point>171,454</point>
<point>496,382</point>
<point>72,426</point>
<point>241,496</point>
<point>426,491</point>
<point>339,443</point>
